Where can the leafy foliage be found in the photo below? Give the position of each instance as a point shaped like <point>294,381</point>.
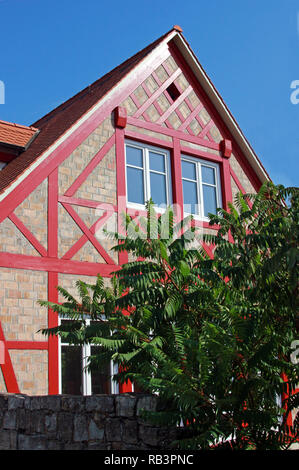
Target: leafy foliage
<point>213,337</point>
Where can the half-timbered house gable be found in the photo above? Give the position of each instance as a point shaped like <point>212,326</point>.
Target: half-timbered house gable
<point>153,127</point>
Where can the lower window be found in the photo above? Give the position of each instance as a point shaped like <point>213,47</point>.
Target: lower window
<point>75,379</point>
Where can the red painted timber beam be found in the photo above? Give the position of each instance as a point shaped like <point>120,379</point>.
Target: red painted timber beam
<point>191,116</point>
<point>12,260</point>
<point>83,239</point>
<point>53,361</point>
<point>176,103</point>
<point>148,139</point>
<point>172,133</point>
<point>7,368</point>
<point>157,93</point>
<point>63,151</point>
<point>91,166</point>
<point>28,235</point>
<point>27,345</point>
<point>88,233</point>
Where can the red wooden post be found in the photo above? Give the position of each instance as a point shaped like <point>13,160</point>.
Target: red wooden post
<point>177,189</point>
<point>53,366</point>
<point>121,186</point>
<point>53,373</point>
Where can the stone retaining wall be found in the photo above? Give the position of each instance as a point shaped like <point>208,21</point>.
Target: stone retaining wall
<point>65,422</point>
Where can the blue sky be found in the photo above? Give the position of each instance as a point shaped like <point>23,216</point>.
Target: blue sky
<point>50,50</point>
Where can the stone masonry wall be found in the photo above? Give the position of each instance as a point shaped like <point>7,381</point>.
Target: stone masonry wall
<point>65,422</point>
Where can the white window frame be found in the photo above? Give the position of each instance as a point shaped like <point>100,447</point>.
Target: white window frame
<point>199,184</point>
<point>146,148</point>
<point>86,375</point>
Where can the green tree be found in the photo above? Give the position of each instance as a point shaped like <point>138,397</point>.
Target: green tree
<point>211,336</point>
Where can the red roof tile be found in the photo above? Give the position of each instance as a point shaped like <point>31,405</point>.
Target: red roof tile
<point>54,124</point>
<point>15,134</point>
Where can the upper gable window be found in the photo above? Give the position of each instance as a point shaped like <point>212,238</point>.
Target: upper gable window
<point>201,187</point>
<point>173,91</point>
<point>147,174</point>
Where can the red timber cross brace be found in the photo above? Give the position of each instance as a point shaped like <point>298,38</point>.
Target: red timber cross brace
<point>139,127</point>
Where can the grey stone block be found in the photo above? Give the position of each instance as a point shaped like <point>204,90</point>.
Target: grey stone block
<point>146,402</point>
<point>95,433</point>
<point>51,402</point>
<point>97,446</point>
<point>13,436</point>
<point>15,402</point>
<point>54,445</point>
<point>130,431</point>
<point>65,427</point>
<point>26,442</point>
<point>3,401</point>
<point>102,403</point>
<point>74,446</point>
<point>80,428</point>
<point>23,420</point>
<point>113,430</point>
<point>125,405</point>
<point>149,435</point>
<point>10,419</point>
<point>37,421</point>
<point>72,403</point>
<point>4,440</point>
<point>50,423</point>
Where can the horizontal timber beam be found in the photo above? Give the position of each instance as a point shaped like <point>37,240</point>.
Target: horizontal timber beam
<point>151,126</point>
<point>27,345</point>
<point>33,263</point>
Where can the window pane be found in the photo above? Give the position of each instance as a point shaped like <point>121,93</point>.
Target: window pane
<point>188,170</point>
<point>190,197</point>
<point>71,370</point>
<point>134,156</point>
<point>135,187</point>
<point>210,199</point>
<point>158,188</point>
<point>208,174</point>
<point>157,161</point>
<point>100,379</point>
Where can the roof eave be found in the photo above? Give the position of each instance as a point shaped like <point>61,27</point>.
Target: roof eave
<point>13,147</point>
